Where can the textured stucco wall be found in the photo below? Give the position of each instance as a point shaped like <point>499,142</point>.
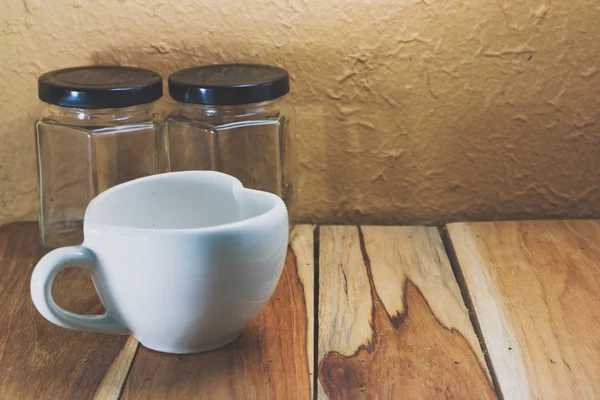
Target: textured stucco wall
<point>408,111</point>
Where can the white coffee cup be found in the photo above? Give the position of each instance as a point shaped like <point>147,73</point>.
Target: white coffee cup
<point>183,260</point>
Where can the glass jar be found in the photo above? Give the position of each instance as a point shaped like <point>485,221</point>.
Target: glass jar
<point>97,131</point>
<point>235,119</point>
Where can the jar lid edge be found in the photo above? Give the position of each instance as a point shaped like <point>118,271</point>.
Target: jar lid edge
<point>229,84</point>
<point>100,86</point>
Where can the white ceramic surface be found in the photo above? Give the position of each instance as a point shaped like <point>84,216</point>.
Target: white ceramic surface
<point>183,260</point>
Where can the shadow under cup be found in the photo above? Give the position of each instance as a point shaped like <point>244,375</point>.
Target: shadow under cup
<point>183,260</point>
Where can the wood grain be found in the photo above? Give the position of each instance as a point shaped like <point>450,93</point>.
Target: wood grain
<point>534,288</point>
<point>271,359</point>
<point>302,244</point>
<point>392,322</point>
<point>114,379</point>
<point>39,359</point>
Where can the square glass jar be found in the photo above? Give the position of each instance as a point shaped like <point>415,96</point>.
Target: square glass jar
<point>236,119</point>
<point>97,131</point>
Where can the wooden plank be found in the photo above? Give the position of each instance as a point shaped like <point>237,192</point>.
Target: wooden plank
<point>271,359</point>
<point>392,322</point>
<point>114,379</point>
<point>534,288</point>
<point>302,243</point>
<point>39,359</point>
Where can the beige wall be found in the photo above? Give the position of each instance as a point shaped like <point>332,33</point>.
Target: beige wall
<point>408,111</point>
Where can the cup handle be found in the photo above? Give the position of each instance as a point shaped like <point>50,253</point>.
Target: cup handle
<point>41,291</point>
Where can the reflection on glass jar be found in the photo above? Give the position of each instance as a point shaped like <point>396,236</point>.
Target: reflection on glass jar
<point>235,119</point>
<point>90,138</point>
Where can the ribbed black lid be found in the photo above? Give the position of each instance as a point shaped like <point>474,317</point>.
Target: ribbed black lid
<point>100,86</point>
<point>229,84</point>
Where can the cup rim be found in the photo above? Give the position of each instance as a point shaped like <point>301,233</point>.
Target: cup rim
<point>279,208</point>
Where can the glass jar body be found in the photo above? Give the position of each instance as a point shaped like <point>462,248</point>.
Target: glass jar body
<point>254,143</point>
<point>81,153</point>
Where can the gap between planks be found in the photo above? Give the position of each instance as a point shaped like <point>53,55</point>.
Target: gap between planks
<point>391,317</point>
<point>304,245</point>
<point>114,380</point>
<point>315,309</point>
<point>534,289</point>
<point>464,290</point>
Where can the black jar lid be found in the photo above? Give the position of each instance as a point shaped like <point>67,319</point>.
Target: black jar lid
<point>229,84</point>
<point>100,86</point>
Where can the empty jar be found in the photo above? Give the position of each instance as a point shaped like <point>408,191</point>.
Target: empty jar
<point>235,119</point>
<point>97,131</point>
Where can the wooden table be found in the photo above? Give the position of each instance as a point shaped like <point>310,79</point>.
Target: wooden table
<point>360,312</point>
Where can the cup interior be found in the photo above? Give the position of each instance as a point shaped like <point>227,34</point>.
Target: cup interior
<point>179,200</point>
